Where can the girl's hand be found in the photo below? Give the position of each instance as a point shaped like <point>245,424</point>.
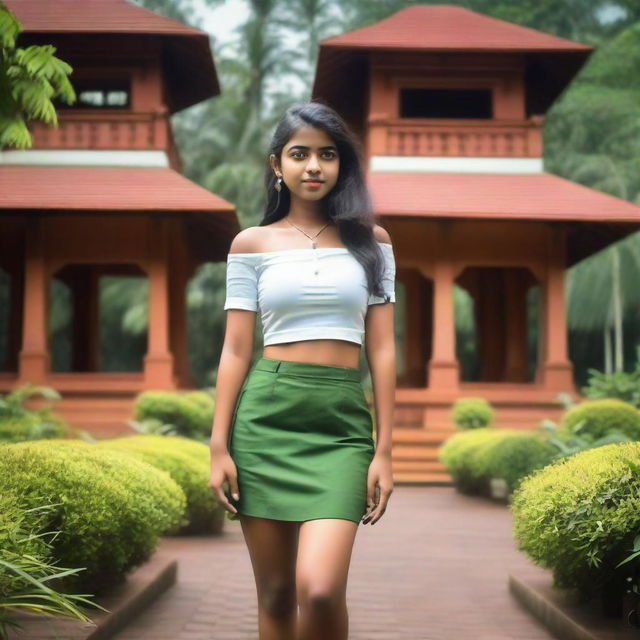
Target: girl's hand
<point>380,474</point>
<point>223,469</point>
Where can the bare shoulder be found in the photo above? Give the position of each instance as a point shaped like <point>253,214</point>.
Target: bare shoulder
<point>381,234</point>
<point>247,240</point>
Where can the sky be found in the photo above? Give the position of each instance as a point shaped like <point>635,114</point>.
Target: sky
<point>220,22</point>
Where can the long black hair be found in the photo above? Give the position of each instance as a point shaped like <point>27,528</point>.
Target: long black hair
<point>348,204</point>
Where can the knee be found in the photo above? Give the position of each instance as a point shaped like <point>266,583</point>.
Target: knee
<point>321,601</point>
<point>278,599</point>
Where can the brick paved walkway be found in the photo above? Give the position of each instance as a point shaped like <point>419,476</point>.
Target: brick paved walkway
<point>433,568</point>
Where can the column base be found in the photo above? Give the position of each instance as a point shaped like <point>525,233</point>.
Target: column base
<point>443,374</point>
<point>557,376</point>
<point>158,371</point>
<point>34,367</point>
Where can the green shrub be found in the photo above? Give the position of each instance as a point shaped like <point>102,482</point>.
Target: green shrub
<point>595,419</point>
<point>113,507</point>
<point>187,462</point>
<point>28,572</point>
<point>579,515</point>
<point>512,457</point>
<point>18,423</point>
<point>474,457</point>
<point>474,463</point>
<point>13,543</point>
<point>190,413</point>
<point>621,385</point>
<point>472,413</point>
<point>455,453</point>
<point>32,426</point>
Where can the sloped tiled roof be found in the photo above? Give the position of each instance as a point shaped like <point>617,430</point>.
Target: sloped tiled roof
<point>444,26</point>
<point>594,219</point>
<point>48,188</point>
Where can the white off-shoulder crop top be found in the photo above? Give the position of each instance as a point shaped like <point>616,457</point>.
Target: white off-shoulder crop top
<point>306,294</point>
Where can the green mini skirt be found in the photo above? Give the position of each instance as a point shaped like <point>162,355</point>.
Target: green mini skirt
<point>301,438</point>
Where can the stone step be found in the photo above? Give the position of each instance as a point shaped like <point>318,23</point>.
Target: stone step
<point>425,478</point>
<point>420,436</point>
<point>408,452</point>
<point>418,465</point>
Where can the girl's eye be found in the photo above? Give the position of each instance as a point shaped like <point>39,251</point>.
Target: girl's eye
<point>297,154</point>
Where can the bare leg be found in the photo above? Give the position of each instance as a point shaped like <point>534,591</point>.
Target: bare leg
<point>272,548</point>
<point>324,554</point>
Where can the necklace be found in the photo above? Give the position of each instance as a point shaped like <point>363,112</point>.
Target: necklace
<point>313,242</point>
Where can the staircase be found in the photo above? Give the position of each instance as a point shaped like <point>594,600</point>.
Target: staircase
<point>415,459</point>
<point>103,416</point>
<point>415,448</point>
<point>423,422</point>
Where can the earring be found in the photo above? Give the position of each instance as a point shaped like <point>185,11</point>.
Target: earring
<point>278,185</point>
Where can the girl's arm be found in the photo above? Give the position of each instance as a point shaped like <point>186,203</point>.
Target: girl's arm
<point>380,349</point>
<point>235,360</point>
<point>381,357</point>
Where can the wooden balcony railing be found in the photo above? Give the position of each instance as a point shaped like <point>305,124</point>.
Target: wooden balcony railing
<point>486,138</point>
<point>91,130</point>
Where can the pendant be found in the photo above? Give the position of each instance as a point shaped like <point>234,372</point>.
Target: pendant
<point>313,244</point>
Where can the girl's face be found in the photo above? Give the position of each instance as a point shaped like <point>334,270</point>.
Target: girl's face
<point>309,154</point>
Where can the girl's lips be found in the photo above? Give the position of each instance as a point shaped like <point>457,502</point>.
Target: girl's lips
<point>312,183</point>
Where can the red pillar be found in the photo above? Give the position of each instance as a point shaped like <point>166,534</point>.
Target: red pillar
<point>443,368</point>
<point>158,362</point>
<point>557,369</point>
<point>34,356</point>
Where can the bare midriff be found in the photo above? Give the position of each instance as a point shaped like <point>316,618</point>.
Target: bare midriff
<point>338,353</point>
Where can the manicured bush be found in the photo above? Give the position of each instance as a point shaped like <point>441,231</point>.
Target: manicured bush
<point>113,508</point>
<point>472,413</point>
<point>511,457</point>
<point>455,453</point>
<point>579,515</point>
<point>602,417</point>
<point>474,457</point>
<point>191,413</point>
<point>187,462</point>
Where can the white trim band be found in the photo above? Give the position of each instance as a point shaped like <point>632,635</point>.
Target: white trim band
<point>69,157</point>
<point>431,164</point>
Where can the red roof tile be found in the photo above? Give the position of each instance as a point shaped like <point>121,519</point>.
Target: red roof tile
<point>441,27</point>
<point>101,16</point>
<point>465,195</point>
<point>104,188</point>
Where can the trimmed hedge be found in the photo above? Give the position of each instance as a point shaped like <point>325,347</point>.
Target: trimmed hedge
<point>31,426</point>
<point>512,457</point>
<point>187,462</point>
<point>113,508</point>
<point>472,413</point>
<point>191,412</point>
<point>475,456</point>
<point>602,417</point>
<point>579,516</point>
<point>455,453</point>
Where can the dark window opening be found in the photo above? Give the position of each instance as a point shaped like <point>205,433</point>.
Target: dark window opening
<point>445,103</point>
<point>103,93</point>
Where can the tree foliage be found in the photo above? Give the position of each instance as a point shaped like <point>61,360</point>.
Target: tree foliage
<point>29,79</point>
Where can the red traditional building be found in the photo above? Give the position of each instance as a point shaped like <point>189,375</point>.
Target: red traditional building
<point>103,195</point>
<point>451,104</point>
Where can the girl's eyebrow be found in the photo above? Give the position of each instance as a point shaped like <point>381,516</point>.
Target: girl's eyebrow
<point>301,146</point>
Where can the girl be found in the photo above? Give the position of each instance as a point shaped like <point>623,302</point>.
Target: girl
<point>293,439</point>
